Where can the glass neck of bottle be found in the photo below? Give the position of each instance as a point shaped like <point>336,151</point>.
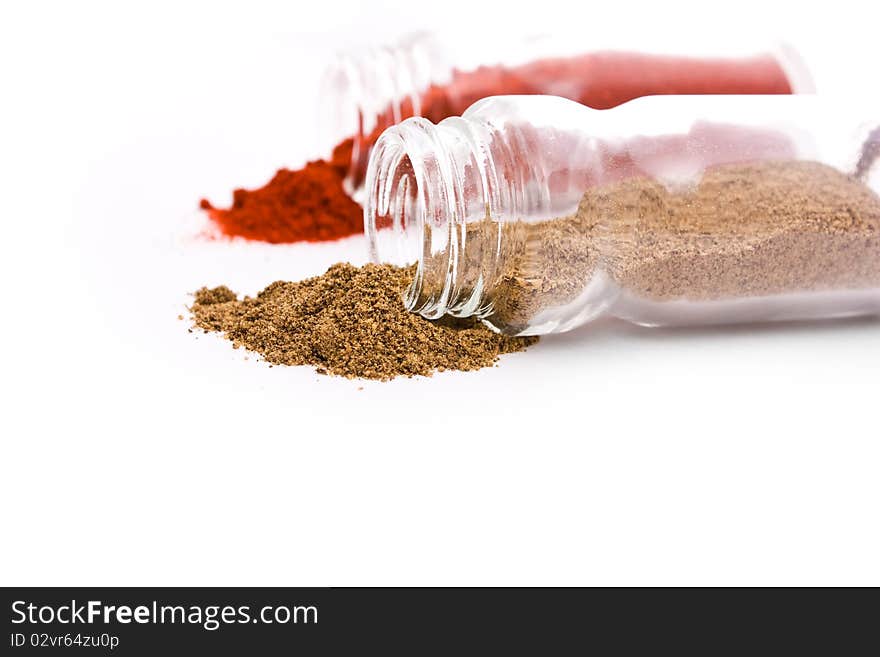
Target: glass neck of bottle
<point>431,194</point>
<point>367,90</point>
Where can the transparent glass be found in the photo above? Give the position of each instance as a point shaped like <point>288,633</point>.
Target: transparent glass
<point>367,90</point>
<point>537,214</point>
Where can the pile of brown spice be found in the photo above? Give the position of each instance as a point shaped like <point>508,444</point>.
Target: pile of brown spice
<point>350,322</point>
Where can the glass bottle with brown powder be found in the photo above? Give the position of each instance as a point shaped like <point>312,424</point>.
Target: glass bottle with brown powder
<point>537,214</point>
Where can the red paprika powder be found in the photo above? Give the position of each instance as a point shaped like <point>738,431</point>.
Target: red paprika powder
<point>307,205</point>
<point>311,204</point>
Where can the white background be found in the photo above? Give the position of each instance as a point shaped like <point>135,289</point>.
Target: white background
<point>134,452</point>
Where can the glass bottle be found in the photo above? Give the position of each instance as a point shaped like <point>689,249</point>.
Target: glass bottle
<point>537,214</point>
<point>367,90</point>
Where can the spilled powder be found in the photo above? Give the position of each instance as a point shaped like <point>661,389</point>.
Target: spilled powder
<point>303,205</point>
<point>349,322</point>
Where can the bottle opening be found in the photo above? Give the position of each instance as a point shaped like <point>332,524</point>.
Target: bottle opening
<point>420,202</point>
<point>800,80</point>
<point>370,89</point>
<point>394,211</point>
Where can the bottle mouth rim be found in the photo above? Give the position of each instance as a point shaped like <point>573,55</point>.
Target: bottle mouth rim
<point>341,99</point>
<point>369,89</point>
<point>395,206</point>
<point>427,187</point>
<point>794,67</point>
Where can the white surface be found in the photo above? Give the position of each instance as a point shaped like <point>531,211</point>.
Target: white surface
<point>134,452</point>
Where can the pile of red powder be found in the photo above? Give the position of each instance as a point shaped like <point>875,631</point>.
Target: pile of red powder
<point>305,205</point>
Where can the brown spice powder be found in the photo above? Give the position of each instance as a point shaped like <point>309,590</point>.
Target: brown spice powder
<point>350,322</point>
<point>741,231</point>
<point>744,231</point>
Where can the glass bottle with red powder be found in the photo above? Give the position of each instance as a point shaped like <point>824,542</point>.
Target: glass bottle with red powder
<point>368,90</point>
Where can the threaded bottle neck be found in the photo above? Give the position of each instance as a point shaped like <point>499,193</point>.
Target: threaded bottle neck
<point>453,197</point>
<point>434,196</point>
<point>367,90</point>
